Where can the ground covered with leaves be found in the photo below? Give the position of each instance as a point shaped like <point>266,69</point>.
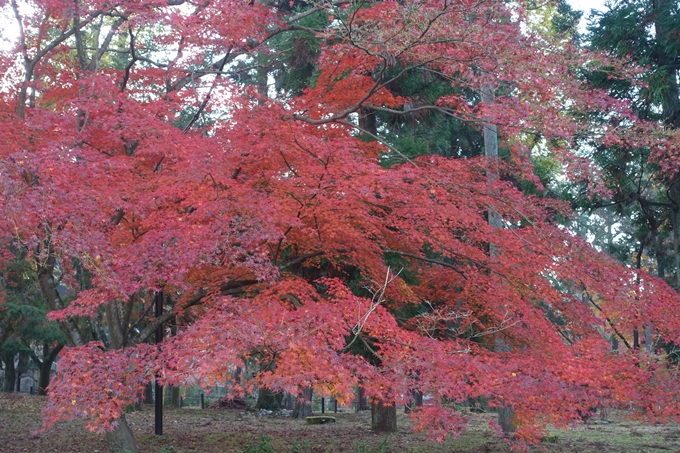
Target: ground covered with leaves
<point>219,430</point>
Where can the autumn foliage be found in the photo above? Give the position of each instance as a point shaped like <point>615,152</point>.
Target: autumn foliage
<point>136,157</point>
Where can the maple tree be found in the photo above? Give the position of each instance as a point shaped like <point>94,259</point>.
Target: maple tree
<point>138,155</point>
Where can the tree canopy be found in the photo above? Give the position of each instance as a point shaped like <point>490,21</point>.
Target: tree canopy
<point>219,151</point>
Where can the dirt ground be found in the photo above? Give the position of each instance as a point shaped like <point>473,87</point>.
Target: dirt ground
<point>225,431</point>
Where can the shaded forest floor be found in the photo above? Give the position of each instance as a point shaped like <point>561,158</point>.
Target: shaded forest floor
<point>216,430</point>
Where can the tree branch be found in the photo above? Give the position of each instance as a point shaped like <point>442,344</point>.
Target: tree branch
<point>236,286</point>
<point>609,321</point>
<point>302,258</point>
<point>153,325</point>
<point>207,96</point>
<point>427,260</point>
<point>443,110</point>
<point>316,9</point>
<point>379,139</point>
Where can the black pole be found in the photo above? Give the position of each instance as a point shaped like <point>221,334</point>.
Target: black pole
<point>335,408</point>
<point>323,405</point>
<point>202,401</point>
<point>159,388</point>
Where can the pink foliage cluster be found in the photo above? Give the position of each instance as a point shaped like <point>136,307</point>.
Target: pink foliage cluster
<point>271,225</point>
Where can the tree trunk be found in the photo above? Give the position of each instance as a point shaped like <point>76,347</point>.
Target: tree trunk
<point>506,416</point>
<point>22,368</point>
<point>361,402</point>
<point>303,404</point>
<point>174,396</point>
<point>10,372</point>
<point>122,439</point>
<point>383,417</point>
<point>416,401</point>
<point>507,420</point>
<point>269,400</point>
<point>665,34</point>
<point>660,256</point>
<point>665,37</point>
<point>49,292</point>
<point>44,379</point>
<point>148,393</point>
<point>46,367</point>
<point>675,196</point>
<point>174,391</point>
<point>649,334</point>
<point>287,402</point>
<point>368,123</point>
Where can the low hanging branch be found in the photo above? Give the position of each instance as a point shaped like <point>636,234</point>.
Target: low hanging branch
<point>607,318</point>
<point>427,260</point>
<point>302,259</point>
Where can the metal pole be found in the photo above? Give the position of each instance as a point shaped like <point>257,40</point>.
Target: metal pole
<point>323,405</point>
<point>159,388</point>
<point>202,401</point>
<point>335,408</point>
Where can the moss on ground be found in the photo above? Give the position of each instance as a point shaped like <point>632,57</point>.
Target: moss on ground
<point>213,431</point>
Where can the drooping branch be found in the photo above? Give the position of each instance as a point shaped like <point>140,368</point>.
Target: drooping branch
<point>233,287</point>
<point>427,260</point>
<point>302,258</point>
<point>607,318</point>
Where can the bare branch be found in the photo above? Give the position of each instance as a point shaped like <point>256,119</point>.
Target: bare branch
<point>443,110</point>
<point>377,299</point>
